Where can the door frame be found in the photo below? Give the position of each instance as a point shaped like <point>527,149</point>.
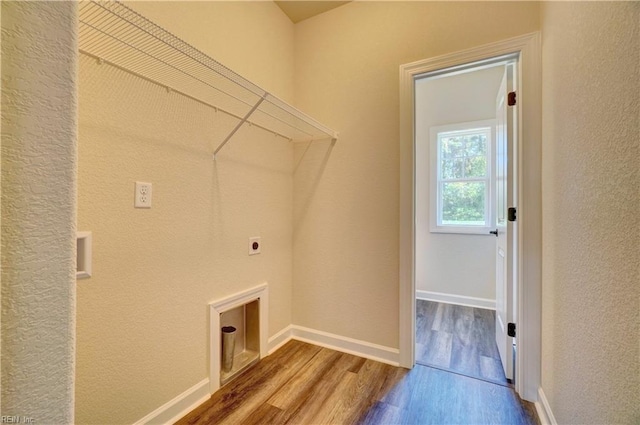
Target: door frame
<point>529,222</point>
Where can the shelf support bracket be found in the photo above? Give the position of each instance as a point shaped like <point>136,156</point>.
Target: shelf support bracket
<point>237,127</point>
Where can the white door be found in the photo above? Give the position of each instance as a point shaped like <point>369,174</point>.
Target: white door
<point>506,230</point>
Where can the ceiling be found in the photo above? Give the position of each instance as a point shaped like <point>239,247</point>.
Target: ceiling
<point>300,10</point>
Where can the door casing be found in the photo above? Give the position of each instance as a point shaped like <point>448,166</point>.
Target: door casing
<point>529,222</point>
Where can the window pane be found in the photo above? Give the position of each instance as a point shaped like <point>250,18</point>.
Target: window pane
<point>463,155</point>
<point>451,147</point>
<point>475,166</point>
<point>452,168</point>
<point>476,144</point>
<point>463,203</point>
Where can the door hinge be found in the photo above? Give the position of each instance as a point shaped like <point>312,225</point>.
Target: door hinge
<point>511,330</point>
<point>511,98</point>
<point>511,214</point>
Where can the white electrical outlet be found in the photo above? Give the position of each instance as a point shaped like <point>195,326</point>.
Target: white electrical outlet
<point>254,245</point>
<point>143,195</point>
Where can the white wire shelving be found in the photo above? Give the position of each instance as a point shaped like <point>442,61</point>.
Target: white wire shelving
<point>115,34</point>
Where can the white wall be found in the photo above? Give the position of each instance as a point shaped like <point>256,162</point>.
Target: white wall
<point>143,316</point>
<point>39,134</point>
<point>453,264</point>
<point>346,243</point>
<point>591,205</point>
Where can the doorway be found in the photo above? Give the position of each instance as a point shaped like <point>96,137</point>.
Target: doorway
<point>462,127</point>
<point>527,282</point>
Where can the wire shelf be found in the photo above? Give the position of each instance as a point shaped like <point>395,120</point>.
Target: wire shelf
<point>113,33</point>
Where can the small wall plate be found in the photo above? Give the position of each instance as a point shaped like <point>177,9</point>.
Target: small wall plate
<point>83,255</point>
<point>254,245</point>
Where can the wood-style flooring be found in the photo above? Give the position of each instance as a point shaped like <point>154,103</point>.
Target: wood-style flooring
<point>458,339</point>
<point>305,384</point>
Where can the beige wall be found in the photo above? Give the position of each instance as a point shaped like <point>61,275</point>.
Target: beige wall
<point>39,132</point>
<point>346,207</point>
<point>591,201</point>
<point>143,317</point>
<point>345,211</point>
<point>0,215</point>
<point>456,264</point>
<point>346,75</point>
<point>253,38</point>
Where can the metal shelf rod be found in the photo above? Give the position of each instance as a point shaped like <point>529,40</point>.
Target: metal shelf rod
<point>237,127</point>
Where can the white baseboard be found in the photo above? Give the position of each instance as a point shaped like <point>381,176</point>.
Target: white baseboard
<point>456,299</point>
<point>175,409</point>
<point>178,407</point>
<point>279,339</point>
<point>340,343</point>
<point>544,409</point>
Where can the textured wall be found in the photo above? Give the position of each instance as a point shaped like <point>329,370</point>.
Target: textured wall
<point>143,316</point>
<point>38,209</point>
<point>452,263</point>
<point>252,38</point>
<point>346,238</point>
<point>0,215</point>
<point>591,201</point>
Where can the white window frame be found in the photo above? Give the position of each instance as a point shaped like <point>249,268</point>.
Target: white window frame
<point>435,209</point>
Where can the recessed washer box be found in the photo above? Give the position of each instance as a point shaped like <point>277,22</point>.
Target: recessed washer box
<point>248,312</point>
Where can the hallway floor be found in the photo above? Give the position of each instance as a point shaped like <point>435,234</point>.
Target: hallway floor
<point>306,384</point>
<point>458,339</point>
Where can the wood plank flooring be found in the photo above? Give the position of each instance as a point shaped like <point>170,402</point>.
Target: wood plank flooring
<point>306,384</point>
<point>458,339</point>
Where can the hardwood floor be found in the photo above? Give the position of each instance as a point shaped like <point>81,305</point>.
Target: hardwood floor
<point>306,384</point>
<point>458,339</point>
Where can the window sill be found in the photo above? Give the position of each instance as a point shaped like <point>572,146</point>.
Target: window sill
<point>481,231</point>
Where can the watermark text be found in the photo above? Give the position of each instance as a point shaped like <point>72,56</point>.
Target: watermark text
<point>17,419</point>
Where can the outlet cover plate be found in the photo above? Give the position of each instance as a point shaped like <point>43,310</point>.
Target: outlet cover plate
<point>254,245</point>
<point>143,195</point>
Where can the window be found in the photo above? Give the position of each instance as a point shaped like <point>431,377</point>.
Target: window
<point>461,177</point>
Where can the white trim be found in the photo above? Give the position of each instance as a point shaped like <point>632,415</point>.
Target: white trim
<point>261,293</point>
<point>178,407</point>
<point>340,343</point>
<point>407,250</point>
<point>529,211</point>
<point>280,339</point>
<point>238,299</point>
<point>456,299</point>
<point>347,345</point>
<point>544,409</point>
<point>529,283</point>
